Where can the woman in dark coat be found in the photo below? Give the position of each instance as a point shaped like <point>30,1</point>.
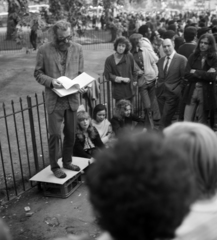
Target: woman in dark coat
<point>87,140</point>
<point>200,74</point>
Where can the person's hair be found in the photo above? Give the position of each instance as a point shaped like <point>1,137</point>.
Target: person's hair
<point>211,52</point>
<point>144,29</point>
<point>214,29</point>
<point>134,40</point>
<point>62,25</point>
<point>141,188</point>
<point>201,145</point>
<point>202,24</point>
<point>122,40</point>
<point>172,27</point>
<point>153,35</point>
<point>214,21</point>
<point>81,115</point>
<point>202,31</point>
<point>190,33</point>
<point>169,34</point>
<point>179,41</point>
<point>215,36</point>
<point>120,108</point>
<point>162,31</point>
<point>98,108</point>
<point>170,22</point>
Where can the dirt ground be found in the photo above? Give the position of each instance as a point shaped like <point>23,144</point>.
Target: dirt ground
<point>52,217</point>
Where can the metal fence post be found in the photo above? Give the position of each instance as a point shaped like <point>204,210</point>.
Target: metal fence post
<point>32,129</point>
<point>108,98</point>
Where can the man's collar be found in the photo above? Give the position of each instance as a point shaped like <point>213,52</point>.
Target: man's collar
<point>171,55</point>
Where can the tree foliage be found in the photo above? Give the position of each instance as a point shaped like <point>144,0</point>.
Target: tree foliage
<point>18,12</point>
<point>67,9</point>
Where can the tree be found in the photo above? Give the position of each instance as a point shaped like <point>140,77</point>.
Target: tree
<point>18,12</point>
<point>56,9</point>
<point>69,9</point>
<point>74,10</point>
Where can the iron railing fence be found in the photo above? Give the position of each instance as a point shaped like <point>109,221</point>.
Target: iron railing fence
<point>24,139</point>
<point>87,38</point>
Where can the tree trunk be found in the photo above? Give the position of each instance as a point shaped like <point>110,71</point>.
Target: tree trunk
<point>16,10</point>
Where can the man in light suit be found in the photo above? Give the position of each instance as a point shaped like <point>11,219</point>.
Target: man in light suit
<point>61,57</point>
<point>170,82</point>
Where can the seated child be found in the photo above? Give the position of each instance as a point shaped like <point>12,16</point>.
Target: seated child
<point>87,139</point>
<point>101,123</point>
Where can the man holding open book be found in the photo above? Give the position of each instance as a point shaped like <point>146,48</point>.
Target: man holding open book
<point>60,57</point>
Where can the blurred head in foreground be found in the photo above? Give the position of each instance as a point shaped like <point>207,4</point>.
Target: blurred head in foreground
<point>141,188</point>
<point>201,145</point>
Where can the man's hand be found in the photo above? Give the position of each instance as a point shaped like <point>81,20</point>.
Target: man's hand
<point>126,80</point>
<point>140,72</point>
<point>134,84</point>
<point>211,70</point>
<point>192,71</point>
<point>83,90</point>
<point>56,84</point>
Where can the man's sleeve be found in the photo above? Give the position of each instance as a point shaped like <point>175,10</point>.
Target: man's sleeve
<point>207,76</point>
<point>183,66</point>
<point>81,61</point>
<point>39,72</point>
<point>135,69</point>
<point>182,71</point>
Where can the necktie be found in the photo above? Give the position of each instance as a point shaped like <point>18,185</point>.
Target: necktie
<point>166,66</point>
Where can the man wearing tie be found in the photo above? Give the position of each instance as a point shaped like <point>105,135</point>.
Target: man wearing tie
<point>170,82</point>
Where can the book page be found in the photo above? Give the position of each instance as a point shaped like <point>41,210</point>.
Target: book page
<point>64,92</point>
<point>83,80</point>
<point>65,81</point>
<point>72,86</point>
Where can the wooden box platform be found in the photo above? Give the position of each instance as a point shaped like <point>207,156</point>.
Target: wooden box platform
<point>62,188</point>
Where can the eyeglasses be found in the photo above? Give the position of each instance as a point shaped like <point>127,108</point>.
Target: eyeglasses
<point>206,43</point>
<point>68,38</point>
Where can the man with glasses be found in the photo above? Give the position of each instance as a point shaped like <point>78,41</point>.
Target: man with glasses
<point>60,57</point>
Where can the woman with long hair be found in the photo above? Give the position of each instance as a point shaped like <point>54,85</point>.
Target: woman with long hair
<point>101,123</point>
<point>200,73</point>
<point>123,117</point>
<point>87,140</point>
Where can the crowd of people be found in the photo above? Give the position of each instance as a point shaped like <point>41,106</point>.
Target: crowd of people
<point>142,184</point>
<point>174,68</point>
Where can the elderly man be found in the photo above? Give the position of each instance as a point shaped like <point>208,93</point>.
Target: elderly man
<point>170,82</point>
<point>61,57</point>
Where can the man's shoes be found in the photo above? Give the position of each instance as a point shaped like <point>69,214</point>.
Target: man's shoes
<point>59,173</point>
<point>71,167</point>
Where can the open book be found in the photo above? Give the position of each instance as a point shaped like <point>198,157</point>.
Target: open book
<point>72,86</point>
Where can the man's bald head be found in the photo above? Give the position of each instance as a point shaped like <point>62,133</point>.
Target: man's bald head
<point>168,46</point>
